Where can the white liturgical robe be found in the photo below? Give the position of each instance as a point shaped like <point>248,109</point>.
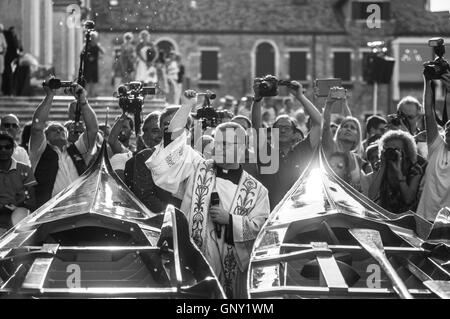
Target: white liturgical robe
<point>182,171</point>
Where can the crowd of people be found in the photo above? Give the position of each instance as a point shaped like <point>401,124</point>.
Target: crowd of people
<point>402,164</point>
<point>145,63</point>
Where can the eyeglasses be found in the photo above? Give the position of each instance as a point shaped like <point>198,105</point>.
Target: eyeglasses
<point>6,147</point>
<point>10,125</point>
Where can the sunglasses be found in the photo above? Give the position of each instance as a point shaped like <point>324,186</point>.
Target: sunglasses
<point>10,125</point>
<point>6,147</point>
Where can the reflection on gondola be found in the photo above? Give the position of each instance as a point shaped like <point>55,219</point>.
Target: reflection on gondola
<point>96,240</point>
<point>322,241</point>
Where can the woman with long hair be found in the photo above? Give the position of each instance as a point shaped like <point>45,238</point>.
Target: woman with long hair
<point>346,140</point>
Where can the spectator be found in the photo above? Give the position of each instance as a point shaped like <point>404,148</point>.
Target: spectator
<point>409,109</point>
<point>180,73</point>
<point>16,186</point>
<point>340,164</point>
<point>120,135</point>
<point>246,107</point>
<point>174,94</point>
<point>56,162</point>
<point>395,185</point>
<point>12,53</point>
<point>25,137</point>
<point>436,191</point>
<point>25,66</point>
<point>10,124</point>
<point>137,177</point>
<point>94,51</point>
<point>372,156</point>
<point>346,140</point>
<point>146,53</point>
<point>293,158</point>
<point>3,48</point>
<point>127,58</point>
<point>225,230</point>
<point>375,128</point>
<point>333,128</point>
<point>229,103</point>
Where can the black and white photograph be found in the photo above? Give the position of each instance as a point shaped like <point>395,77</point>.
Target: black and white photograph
<point>261,151</point>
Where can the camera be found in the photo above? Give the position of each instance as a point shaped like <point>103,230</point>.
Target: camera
<point>397,119</point>
<point>390,154</point>
<point>269,84</point>
<point>207,114</point>
<point>433,70</point>
<point>56,84</point>
<point>131,99</point>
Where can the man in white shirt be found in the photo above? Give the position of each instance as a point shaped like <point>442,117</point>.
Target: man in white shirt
<point>56,163</point>
<point>436,191</point>
<point>10,123</point>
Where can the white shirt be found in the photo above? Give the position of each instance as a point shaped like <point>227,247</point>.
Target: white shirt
<point>119,160</point>
<point>21,155</point>
<point>67,172</point>
<point>436,191</point>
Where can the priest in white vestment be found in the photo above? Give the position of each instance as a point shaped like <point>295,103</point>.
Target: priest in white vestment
<point>224,230</point>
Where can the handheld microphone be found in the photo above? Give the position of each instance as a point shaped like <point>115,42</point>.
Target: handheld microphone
<point>216,201</point>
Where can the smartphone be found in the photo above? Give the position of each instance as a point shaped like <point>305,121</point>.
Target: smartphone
<point>322,86</point>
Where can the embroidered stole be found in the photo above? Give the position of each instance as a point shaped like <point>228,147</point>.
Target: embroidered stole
<point>232,258</point>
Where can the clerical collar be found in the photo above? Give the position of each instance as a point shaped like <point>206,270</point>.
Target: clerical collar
<point>233,175</point>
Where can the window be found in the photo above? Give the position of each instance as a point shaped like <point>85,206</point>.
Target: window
<point>298,65</point>
<point>410,61</point>
<point>342,65</point>
<point>265,60</point>
<point>360,12</point>
<point>209,65</point>
<point>364,55</point>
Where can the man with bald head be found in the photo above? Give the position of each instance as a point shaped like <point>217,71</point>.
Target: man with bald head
<point>225,206</point>
<point>10,123</point>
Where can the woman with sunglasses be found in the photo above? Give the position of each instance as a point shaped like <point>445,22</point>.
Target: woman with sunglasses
<point>10,124</point>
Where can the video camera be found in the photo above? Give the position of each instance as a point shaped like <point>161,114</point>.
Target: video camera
<point>207,114</point>
<point>269,84</point>
<point>56,84</point>
<point>131,99</point>
<point>433,70</point>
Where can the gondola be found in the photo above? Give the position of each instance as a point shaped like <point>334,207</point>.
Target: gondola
<point>95,239</point>
<point>326,240</point>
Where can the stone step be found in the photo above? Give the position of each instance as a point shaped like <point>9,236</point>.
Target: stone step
<point>24,107</point>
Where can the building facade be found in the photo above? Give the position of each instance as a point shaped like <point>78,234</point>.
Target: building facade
<point>225,44</point>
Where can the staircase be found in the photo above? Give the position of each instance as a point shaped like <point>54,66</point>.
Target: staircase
<point>24,107</point>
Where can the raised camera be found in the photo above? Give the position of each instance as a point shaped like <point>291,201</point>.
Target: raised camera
<point>268,85</point>
<point>433,70</point>
<point>56,84</point>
